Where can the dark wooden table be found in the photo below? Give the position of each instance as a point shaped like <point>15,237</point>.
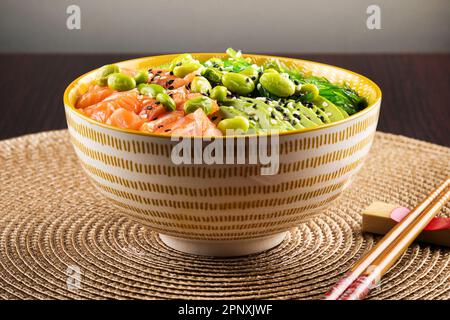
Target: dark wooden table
<point>416,89</point>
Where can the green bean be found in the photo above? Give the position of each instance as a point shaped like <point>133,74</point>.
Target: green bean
<point>150,89</point>
<point>185,68</point>
<point>238,83</point>
<point>200,85</point>
<point>121,82</point>
<point>310,91</point>
<point>102,74</point>
<point>166,101</point>
<point>201,102</point>
<point>141,76</point>
<point>238,123</point>
<point>278,85</point>
<point>219,93</point>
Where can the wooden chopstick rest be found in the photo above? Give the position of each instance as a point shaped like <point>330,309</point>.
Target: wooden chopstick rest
<point>380,217</point>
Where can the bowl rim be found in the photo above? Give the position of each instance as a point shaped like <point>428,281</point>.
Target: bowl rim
<point>357,115</point>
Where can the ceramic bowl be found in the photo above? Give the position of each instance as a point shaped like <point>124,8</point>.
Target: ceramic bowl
<point>224,209</point>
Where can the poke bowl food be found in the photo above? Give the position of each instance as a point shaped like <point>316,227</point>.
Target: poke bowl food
<point>126,119</point>
<point>189,97</point>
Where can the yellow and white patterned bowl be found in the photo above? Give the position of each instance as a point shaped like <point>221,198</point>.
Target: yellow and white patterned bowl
<point>224,210</point>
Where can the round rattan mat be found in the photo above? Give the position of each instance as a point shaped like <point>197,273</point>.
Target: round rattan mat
<point>51,218</point>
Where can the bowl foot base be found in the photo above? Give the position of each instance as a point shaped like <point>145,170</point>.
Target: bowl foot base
<point>225,248</point>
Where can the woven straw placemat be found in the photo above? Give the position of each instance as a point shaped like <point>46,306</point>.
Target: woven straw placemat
<point>52,218</point>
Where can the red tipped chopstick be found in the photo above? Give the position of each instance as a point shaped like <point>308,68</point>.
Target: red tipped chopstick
<point>357,282</point>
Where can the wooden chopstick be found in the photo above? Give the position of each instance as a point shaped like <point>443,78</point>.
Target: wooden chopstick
<point>361,287</point>
<point>353,278</point>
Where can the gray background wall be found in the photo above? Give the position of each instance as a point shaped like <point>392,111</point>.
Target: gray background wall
<point>276,26</point>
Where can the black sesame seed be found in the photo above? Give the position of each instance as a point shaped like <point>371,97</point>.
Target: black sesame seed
<point>297,116</point>
<point>247,80</point>
<point>272,115</point>
<point>167,130</point>
<point>253,78</point>
<point>170,81</point>
<point>178,64</point>
<point>160,126</point>
<point>280,109</point>
<point>158,72</point>
<point>155,118</point>
<point>296,82</point>
<point>149,108</point>
<point>157,102</point>
<point>214,118</point>
<point>254,106</point>
<point>171,73</point>
<point>170,88</point>
<point>150,70</point>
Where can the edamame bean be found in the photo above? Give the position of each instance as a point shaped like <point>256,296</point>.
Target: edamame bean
<point>310,91</point>
<point>141,77</point>
<point>219,93</point>
<point>238,83</point>
<point>166,101</point>
<point>150,89</point>
<point>251,72</point>
<point>237,123</point>
<point>121,82</point>
<point>102,74</point>
<point>277,84</point>
<point>212,75</point>
<point>215,62</point>
<point>185,68</point>
<point>273,64</point>
<point>202,102</point>
<point>271,70</point>
<point>200,85</point>
<point>185,57</point>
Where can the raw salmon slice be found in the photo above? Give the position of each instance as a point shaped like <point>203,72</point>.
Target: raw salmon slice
<point>126,119</point>
<point>162,124</point>
<point>95,94</point>
<point>194,124</point>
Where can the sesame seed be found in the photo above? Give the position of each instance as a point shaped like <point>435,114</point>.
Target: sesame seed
<point>170,88</point>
